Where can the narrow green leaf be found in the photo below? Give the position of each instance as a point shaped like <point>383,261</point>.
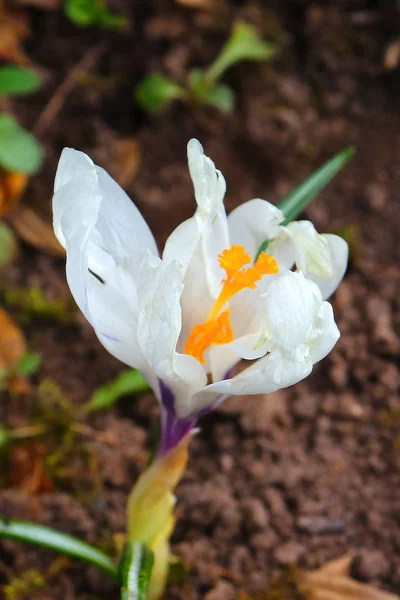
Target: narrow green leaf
<point>8,245</point>
<point>135,569</point>
<point>29,364</point>
<point>19,150</point>
<point>299,198</point>
<point>60,542</point>
<point>244,43</point>
<point>127,382</point>
<point>156,91</point>
<point>18,80</point>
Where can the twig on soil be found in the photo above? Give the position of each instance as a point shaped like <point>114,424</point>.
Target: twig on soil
<point>56,102</point>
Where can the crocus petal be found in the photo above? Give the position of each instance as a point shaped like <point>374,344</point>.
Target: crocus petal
<point>223,358</point>
<point>253,223</point>
<point>325,333</point>
<point>196,243</point>
<point>340,254</point>
<point>209,183</point>
<point>266,375</point>
<point>290,304</point>
<point>106,238</point>
<point>312,252</point>
<point>159,325</point>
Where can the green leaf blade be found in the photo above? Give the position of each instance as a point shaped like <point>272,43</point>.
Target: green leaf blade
<point>20,152</point>
<point>299,198</point>
<point>156,91</point>
<point>60,542</point>
<point>135,569</point>
<point>18,81</point>
<point>127,382</point>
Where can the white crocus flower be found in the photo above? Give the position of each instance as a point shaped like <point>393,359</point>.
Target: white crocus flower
<point>184,320</point>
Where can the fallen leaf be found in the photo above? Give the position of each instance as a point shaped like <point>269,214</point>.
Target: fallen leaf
<point>35,231</point>
<point>12,350</point>
<point>12,342</point>
<point>126,154</point>
<point>391,58</point>
<point>333,582</point>
<point>26,469</point>
<point>13,30</point>
<point>12,186</point>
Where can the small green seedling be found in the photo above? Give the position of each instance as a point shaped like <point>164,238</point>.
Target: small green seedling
<point>20,152</point>
<point>88,13</point>
<point>127,382</point>
<point>244,43</point>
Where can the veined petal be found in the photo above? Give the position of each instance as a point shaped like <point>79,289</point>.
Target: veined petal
<point>266,375</point>
<point>340,254</point>
<point>312,252</point>
<point>223,358</point>
<point>325,333</point>
<point>209,183</point>
<point>254,222</point>
<point>106,238</point>
<point>159,325</point>
<point>196,243</point>
<point>291,305</point>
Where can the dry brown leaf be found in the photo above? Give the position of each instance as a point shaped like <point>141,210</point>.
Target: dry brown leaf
<point>391,57</point>
<point>13,30</point>
<point>333,582</point>
<point>126,158</point>
<point>12,186</point>
<point>27,468</point>
<point>12,342</point>
<point>35,231</point>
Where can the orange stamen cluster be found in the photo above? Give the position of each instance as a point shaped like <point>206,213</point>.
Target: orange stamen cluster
<point>217,328</point>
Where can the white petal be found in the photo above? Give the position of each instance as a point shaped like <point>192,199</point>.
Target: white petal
<point>312,252</point>
<point>253,222</point>
<point>325,333</point>
<point>224,357</point>
<point>159,325</point>
<point>266,375</point>
<point>340,253</point>
<point>105,236</point>
<point>196,243</point>
<point>291,305</point>
<point>113,311</point>
<point>209,183</point>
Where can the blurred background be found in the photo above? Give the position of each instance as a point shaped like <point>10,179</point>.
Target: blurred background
<point>272,89</point>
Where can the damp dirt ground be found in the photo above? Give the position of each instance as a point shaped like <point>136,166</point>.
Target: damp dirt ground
<point>296,478</point>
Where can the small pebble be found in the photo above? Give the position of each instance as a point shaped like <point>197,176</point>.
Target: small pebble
<point>222,591</point>
<point>319,525</point>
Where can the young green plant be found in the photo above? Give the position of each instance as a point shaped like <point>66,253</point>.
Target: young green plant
<point>204,87</point>
<point>282,323</point>
<point>89,13</point>
<point>20,152</point>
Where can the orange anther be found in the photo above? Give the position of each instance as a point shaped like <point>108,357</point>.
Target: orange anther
<point>217,331</point>
<point>217,328</point>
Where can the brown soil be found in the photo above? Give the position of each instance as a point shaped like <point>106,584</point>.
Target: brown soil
<point>301,476</point>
